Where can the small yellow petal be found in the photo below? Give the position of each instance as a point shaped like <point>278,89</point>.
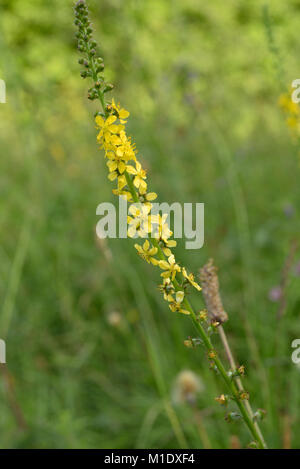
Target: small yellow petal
<point>151,196</point>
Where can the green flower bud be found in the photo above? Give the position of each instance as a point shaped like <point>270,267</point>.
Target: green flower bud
<point>108,87</point>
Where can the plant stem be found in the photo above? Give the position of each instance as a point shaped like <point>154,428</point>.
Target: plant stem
<point>206,340</point>
<point>237,380</point>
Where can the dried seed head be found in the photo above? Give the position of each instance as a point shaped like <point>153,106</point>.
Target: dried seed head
<point>210,289</point>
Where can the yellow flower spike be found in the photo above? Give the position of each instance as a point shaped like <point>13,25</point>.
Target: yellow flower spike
<point>191,279</point>
<point>109,137</point>
<point>147,252</point>
<point>170,267</point>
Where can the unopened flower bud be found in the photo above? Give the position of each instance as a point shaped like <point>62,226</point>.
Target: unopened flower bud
<point>108,87</point>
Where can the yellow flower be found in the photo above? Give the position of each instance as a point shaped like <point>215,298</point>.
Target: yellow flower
<point>107,128</point>
<point>124,148</point>
<point>150,196</point>
<point>146,252</point>
<point>139,176</point>
<point>292,122</point>
<point>124,194</point>
<point>162,232</point>
<point>203,315</point>
<point>168,289</point>
<point>166,248</point>
<point>176,305</point>
<point>121,112</point>
<point>191,279</point>
<point>115,163</point>
<point>286,103</point>
<point>170,268</point>
<point>121,179</point>
<point>139,223</point>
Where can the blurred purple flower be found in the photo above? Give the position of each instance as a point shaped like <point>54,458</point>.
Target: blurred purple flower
<point>275,293</point>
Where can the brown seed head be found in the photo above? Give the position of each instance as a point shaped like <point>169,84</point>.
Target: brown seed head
<point>210,289</point>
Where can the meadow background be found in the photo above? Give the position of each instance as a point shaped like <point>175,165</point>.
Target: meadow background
<point>92,350</point>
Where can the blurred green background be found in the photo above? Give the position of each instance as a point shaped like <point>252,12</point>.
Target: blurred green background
<point>93,353</point>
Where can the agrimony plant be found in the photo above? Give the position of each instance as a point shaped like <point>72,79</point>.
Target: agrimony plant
<point>130,178</point>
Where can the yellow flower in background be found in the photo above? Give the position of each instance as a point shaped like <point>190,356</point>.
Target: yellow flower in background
<point>292,111</point>
<point>293,122</point>
<point>287,105</point>
<point>191,279</point>
<point>147,252</point>
<point>170,268</point>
